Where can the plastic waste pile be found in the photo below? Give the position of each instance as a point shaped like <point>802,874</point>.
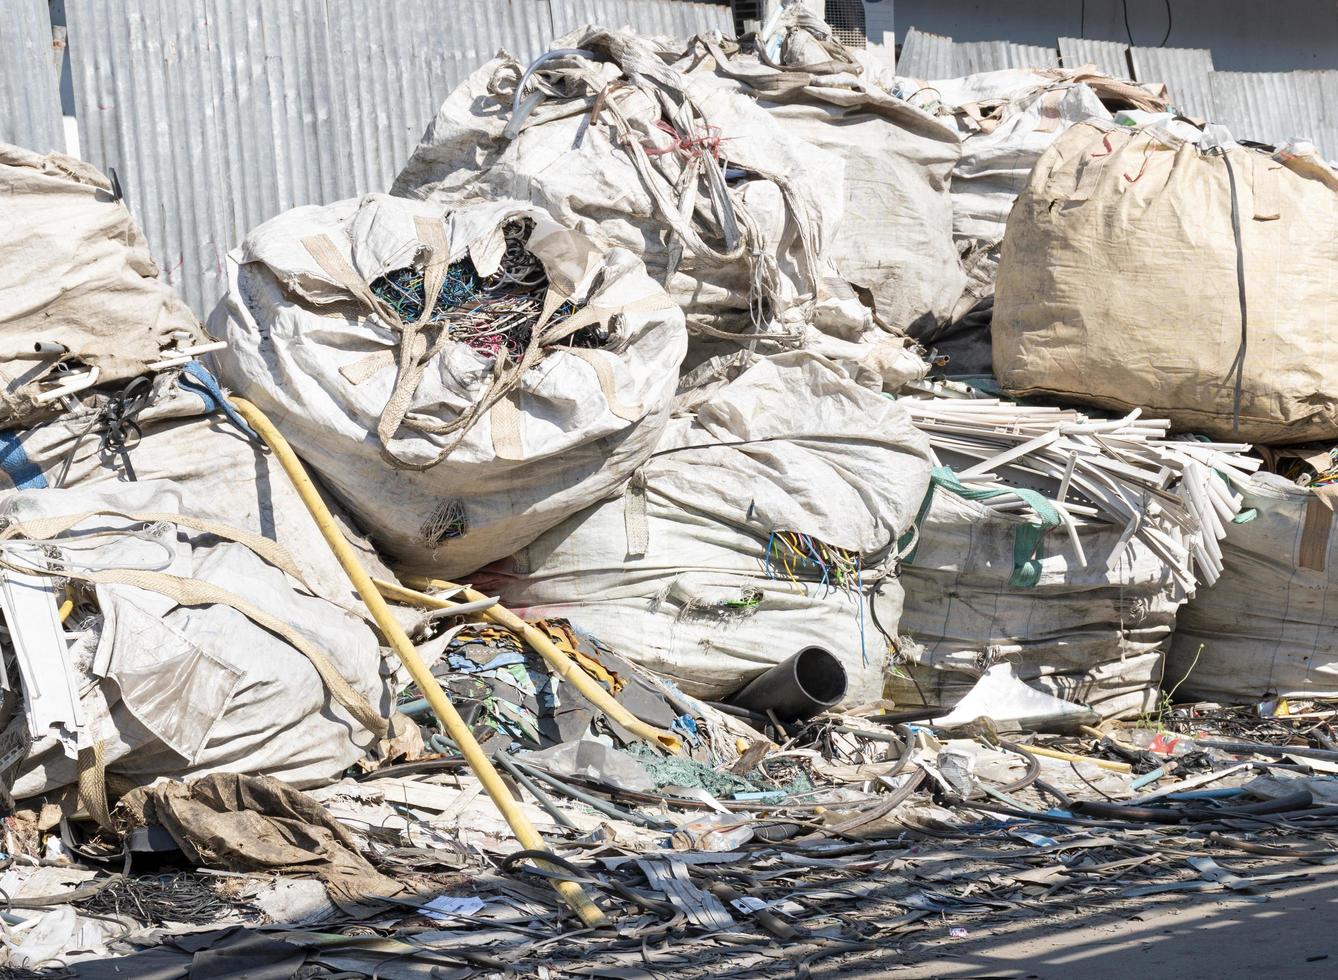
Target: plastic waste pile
<point>625,503</point>
<point>169,608</point>
<point>1061,545</point>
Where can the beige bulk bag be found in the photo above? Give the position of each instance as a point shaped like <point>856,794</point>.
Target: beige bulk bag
<point>1118,284</point>
<point>79,292</point>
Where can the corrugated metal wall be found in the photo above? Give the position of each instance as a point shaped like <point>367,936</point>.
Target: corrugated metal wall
<point>1111,57</point>
<point>29,78</point>
<point>219,114</point>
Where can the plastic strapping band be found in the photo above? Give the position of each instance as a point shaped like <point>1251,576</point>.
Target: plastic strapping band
<point>1238,366</point>
<point>1026,538</point>
<point>196,377</point>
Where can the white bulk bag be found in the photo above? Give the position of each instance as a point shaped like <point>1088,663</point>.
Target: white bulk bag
<point>683,574</point>
<point>1269,625</point>
<point>448,458</point>
<point>203,654</point>
<point>894,242</point>
<point>1092,634</point>
<point>729,208</point>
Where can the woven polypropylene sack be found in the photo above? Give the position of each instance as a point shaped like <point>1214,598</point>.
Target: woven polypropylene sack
<point>682,574</point>
<point>76,277</point>
<point>894,242</point>
<point>1118,284</point>
<point>570,430</point>
<point>1269,625</point>
<point>1095,634</point>
<point>740,249</point>
<point>177,690</point>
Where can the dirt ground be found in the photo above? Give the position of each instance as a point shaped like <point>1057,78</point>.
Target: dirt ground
<point>1208,936</point>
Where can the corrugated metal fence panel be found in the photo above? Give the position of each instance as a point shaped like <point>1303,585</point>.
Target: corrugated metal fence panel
<point>1185,72</point>
<point>29,82</point>
<point>1273,107</point>
<point>970,57</point>
<point>219,114</point>
<point>673,18</point>
<point>925,56</point>
<point>1031,56</point>
<point>1110,57</point>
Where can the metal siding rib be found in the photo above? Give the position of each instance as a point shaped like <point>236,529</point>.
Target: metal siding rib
<point>926,56</point>
<point>1273,107</point>
<point>1185,72</point>
<point>29,79</point>
<point>1110,57</point>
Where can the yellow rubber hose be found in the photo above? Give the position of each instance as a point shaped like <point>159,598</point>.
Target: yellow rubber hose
<point>542,645</point>
<point>455,726</point>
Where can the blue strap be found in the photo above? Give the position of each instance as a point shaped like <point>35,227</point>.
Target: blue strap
<point>22,471</point>
<point>196,377</point>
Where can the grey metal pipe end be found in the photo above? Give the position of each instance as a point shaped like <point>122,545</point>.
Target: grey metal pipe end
<point>806,684</point>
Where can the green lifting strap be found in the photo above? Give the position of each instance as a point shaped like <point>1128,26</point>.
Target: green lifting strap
<point>1027,537</point>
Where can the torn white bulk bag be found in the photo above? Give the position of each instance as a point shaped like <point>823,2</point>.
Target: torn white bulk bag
<point>1195,281</point>
<point>178,428</point>
<point>759,528</point>
<point>454,430</point>
<point>621,141</point>
<point>894,242</point>
<point>1094,634</point>
<point>1269,626</point>
<point>193,646</point>
<point>80,299</point>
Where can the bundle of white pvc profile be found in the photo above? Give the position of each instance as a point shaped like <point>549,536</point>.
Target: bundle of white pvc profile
<point>1176,495</point>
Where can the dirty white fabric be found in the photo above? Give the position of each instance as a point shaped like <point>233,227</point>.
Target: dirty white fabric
<point>728,207</point>
<point>676,576</point>
<point>75,271</point>
<point>1269,625</point>
<point>229,475</point>
<point>1118,283</point>
<point>324,367</point>
<point>1090,634</point>
<point>894,242</point>
<point>175,690</point>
